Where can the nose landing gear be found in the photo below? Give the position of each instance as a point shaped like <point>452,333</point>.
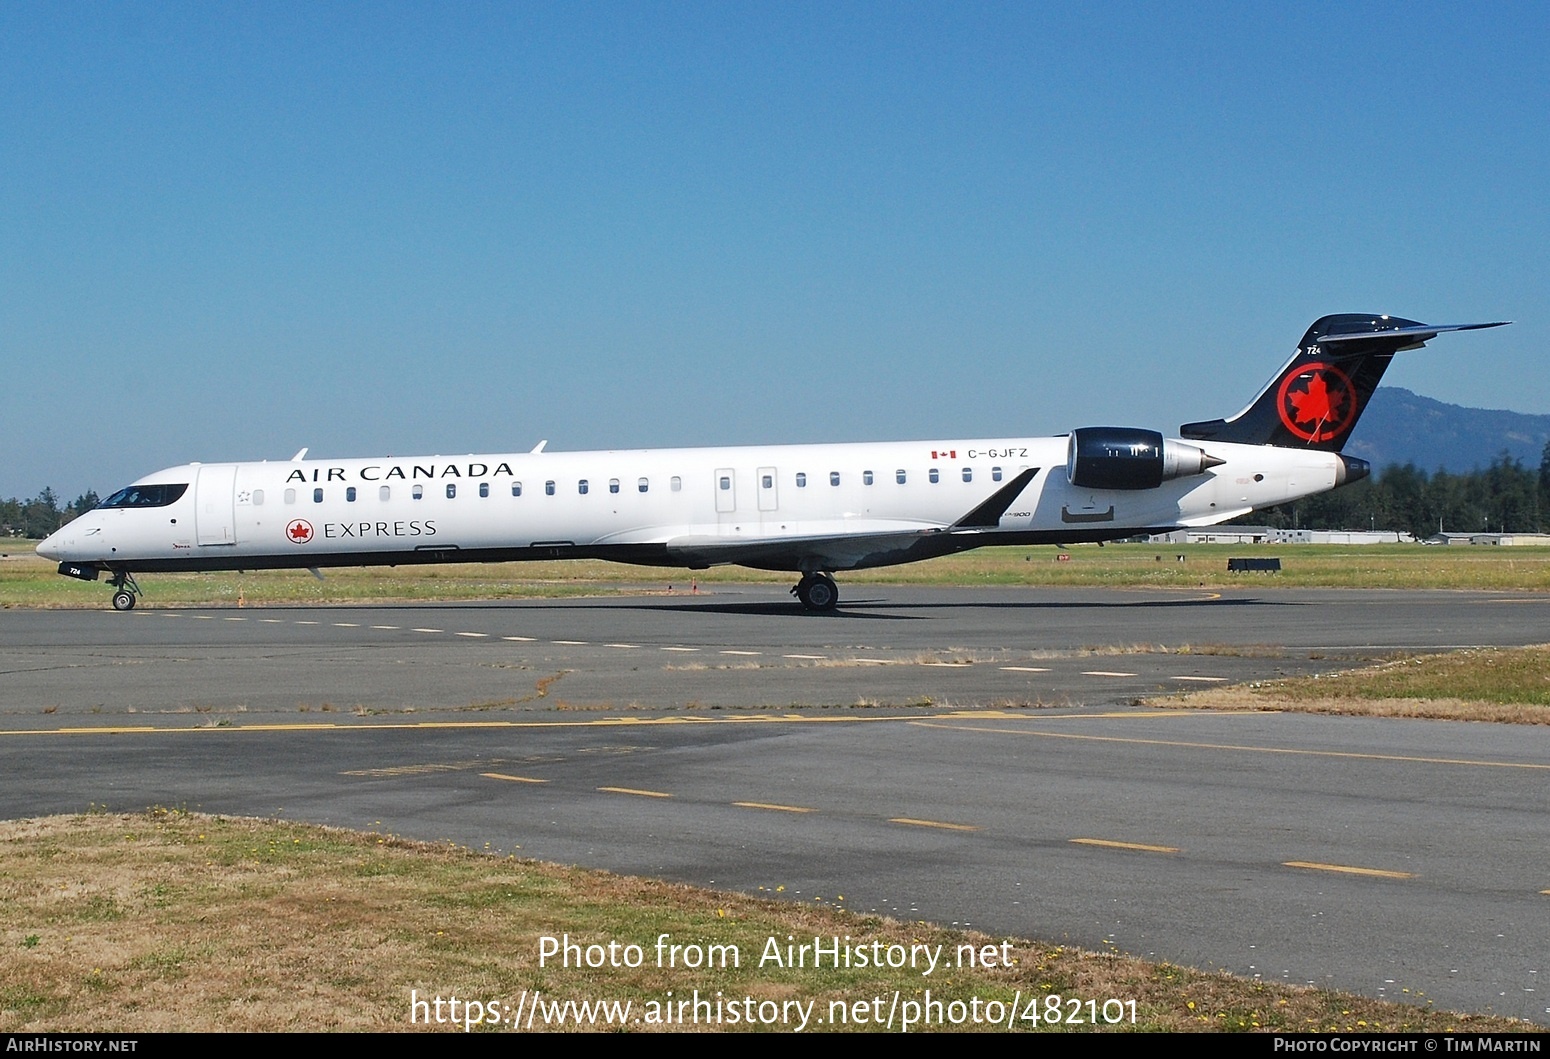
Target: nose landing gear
<point>818,592</point>
<point>124,590</point>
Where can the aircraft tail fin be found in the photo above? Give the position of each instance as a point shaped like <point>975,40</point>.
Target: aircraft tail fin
<point>1315,400</point>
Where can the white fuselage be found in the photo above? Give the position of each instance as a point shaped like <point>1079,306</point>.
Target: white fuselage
<point>803,507</point>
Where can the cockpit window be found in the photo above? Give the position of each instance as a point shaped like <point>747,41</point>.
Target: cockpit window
<point>146,496</point>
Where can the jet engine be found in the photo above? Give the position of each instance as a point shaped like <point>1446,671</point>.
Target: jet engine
<point>1128,458</point>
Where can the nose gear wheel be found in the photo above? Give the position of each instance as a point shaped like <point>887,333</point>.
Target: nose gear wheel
<point>125,591</point>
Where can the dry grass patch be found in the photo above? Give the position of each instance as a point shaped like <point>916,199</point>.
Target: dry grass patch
<point>1508,685</point>
<point>1516,675</point>
<point>1219,650</point>
<point>1425,709</point>
<point>175,921</point>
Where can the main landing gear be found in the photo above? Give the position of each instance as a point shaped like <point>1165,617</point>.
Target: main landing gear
<point>818,592</point>
<point>124,591</point>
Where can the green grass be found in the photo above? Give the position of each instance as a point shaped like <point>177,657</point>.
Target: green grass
<point>31,581</point>
<point>1519,676</point>
<point>1501,684</point>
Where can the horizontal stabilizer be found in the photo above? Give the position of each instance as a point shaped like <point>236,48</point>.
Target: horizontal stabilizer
<point>1421,332</point>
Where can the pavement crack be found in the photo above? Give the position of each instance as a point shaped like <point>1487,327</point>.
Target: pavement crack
<point>542,687</point>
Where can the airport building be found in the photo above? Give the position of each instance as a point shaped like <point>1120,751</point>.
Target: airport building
<point>1270,535</point>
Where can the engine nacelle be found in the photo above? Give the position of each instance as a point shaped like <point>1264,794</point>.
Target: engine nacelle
<point>1129,458</point>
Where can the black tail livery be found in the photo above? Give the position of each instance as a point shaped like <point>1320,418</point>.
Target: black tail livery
<point>1314,401</point>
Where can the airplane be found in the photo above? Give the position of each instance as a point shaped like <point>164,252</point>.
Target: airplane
<point>813,510</point>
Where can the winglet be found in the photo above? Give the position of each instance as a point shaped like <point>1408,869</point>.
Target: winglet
<point>988,514</point>
<point>540,446</point>
<point>300,455</point>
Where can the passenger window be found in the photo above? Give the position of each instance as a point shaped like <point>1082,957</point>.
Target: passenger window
<point>995,474</point>
<point>613,485</point>
<point>676,483</point>
<point>866,477</point>
<point>349,495</point>
<point>643,485</point>
<point>549,488</point>
<point>935,476</point>
<point>801,480</point>
<point>290,496</point>
<point>581,487</point>
<point>385,493</point>
<point>726,483</point>
<point>834,477</point>
<point>484,488</point>
<point>419,492</point>
<point>317,496</point>
<point>451,490</point>
<point>968,474</point>
<point>769,481</point>
<point>516,488</point>
<point>898,476</point>
<point>258,497</point>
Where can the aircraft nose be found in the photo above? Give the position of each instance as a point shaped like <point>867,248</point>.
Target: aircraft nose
<point>51,547</point>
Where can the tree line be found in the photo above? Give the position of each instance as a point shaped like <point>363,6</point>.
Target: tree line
<point>1505,497</point>
<point>41,515</point>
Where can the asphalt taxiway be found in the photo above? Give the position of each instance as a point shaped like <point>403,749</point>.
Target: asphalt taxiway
<point>745,646</point>
<point>732,741</point>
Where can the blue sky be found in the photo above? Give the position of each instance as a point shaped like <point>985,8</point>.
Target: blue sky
<point>228,231</point>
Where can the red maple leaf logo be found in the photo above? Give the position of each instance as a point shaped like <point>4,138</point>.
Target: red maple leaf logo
<point>299,531</point>
<point>1321,408</point>
<point>1316,404</point>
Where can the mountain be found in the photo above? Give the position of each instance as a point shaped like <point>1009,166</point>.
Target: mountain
<point>1403,427</point>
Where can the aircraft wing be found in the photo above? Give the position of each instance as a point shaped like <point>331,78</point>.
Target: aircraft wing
<point>875,546</point>
<point>851,545</point>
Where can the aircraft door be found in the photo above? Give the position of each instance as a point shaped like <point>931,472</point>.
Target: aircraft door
<point>766,481</point>
<point>726,491</point>
<point>728,520</point>
<point>215,513</point>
